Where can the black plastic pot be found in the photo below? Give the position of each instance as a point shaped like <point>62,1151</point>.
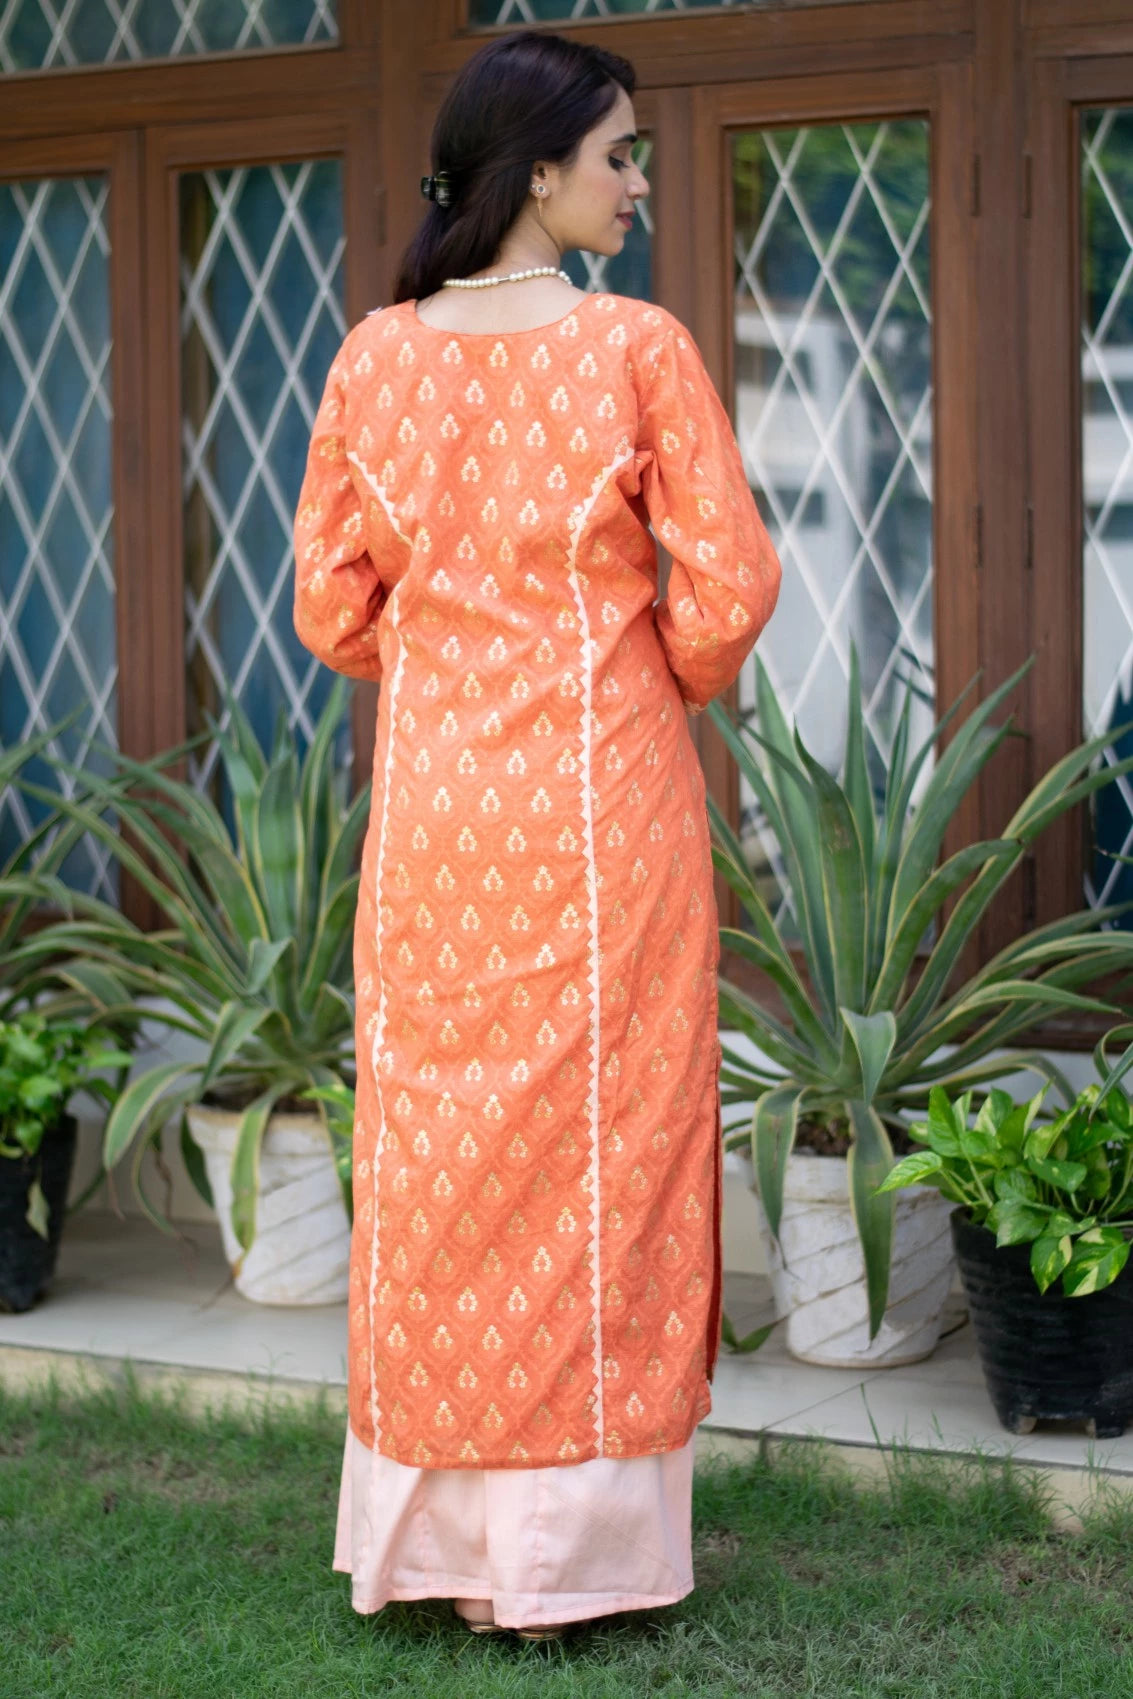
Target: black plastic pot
<point>1046,1357</point>
<point>27,1262</point>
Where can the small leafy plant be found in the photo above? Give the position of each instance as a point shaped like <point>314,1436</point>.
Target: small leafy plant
<point>1064,1186</point>
<point>43,1063</point>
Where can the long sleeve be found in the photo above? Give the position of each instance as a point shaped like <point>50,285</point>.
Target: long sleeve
<point>338,594</point>
<point>725,575</point>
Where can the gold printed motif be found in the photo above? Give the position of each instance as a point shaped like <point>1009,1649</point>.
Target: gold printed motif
<point>532,1135</point>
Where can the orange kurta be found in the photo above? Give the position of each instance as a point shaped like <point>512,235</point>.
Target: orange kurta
<point>535,1268</point>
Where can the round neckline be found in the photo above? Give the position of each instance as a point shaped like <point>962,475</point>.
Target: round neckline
<point>484,335</point>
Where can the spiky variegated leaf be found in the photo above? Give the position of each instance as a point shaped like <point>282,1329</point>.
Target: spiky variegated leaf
<point>845,898</point>
<point>1112,1077</point>
<point>193,1158</point>
<point>900,785</point>
<point>873,1038</point>
<point>777,965</point>
<point>967,754</point>
<point>859,791</point>
<point>763,1029</point>
<point>256,961</point>
<point>870,1159</point>
<point>236,1023</point>
<point>908,927</point>
<point>277,848</point>
<point>778,789</point>
<point>773,1130</point>
<point>246,1162</point>
<point>146,1104</point>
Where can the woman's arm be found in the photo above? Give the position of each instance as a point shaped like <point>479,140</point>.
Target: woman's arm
<point>725,575</point>
<point>338,594</point>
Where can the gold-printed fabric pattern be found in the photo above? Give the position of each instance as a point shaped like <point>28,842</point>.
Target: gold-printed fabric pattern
<point>535,1269</point>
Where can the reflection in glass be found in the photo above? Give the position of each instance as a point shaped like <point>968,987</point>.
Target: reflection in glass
<point>261,321</point>
<point>481,13</point>
<point>1107,482</point>
<point>630,272</point>
<point>833,411</point>
<point>41,34</point>
<point>58,645</point>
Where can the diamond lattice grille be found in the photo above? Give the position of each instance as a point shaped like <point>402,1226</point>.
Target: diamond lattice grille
<point>261,320</point>
<point>482,13</point>
<point>40,34</point>
<point>833,410</point>
<point>57,631</point>
<point>1107,481</point>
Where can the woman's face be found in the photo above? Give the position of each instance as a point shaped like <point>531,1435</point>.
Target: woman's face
<point>591,203</point>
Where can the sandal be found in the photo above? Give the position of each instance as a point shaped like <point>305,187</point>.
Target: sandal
<point>480,1627</point>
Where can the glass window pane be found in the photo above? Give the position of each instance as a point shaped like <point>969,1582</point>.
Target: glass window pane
<point>261,321</point>
<point>833,410</point>
<point>630,272</point>
<point>482,13</point>
<point>58,646</point>
<point>1107,483</point>
<point>42,34</point>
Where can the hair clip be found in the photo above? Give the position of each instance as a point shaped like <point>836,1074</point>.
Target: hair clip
<point>438,188</point>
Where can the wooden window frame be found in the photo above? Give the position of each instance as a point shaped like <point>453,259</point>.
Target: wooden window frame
<point>982,55</point>
<point>940,94</point>
<point>169,152</point>
<point>993,77</point>
<point>1065,77</point>
<point>183,115</point>
<point>115,156</point>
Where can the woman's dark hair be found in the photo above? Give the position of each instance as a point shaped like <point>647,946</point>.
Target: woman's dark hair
<point>523,97</point>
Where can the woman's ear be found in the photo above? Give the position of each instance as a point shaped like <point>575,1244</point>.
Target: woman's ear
<point>549,175</point>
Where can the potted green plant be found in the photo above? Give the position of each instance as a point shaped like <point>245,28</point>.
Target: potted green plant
<point>861,1281</point>
<point>1039,1201</point>
<point>63,1021</point>
<point>43,1063</point>
<point>252,979</point>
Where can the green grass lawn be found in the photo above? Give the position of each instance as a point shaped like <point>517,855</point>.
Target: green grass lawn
<point>145,1554</point>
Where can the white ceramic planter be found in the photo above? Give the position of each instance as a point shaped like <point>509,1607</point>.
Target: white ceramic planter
<point>822,1290</point>
<point>301,1251</point>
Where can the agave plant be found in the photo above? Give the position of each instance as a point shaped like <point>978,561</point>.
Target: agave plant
<point>36,967</point>
<point>862,1049</point>
<point>255,964</point>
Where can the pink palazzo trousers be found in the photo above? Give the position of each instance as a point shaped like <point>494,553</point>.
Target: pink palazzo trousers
<point>556,1544</point>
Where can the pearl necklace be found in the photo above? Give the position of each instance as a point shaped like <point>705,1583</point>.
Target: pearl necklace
<point>510,277</point>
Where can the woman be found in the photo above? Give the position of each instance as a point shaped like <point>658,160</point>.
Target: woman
<point>535,1270</point>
